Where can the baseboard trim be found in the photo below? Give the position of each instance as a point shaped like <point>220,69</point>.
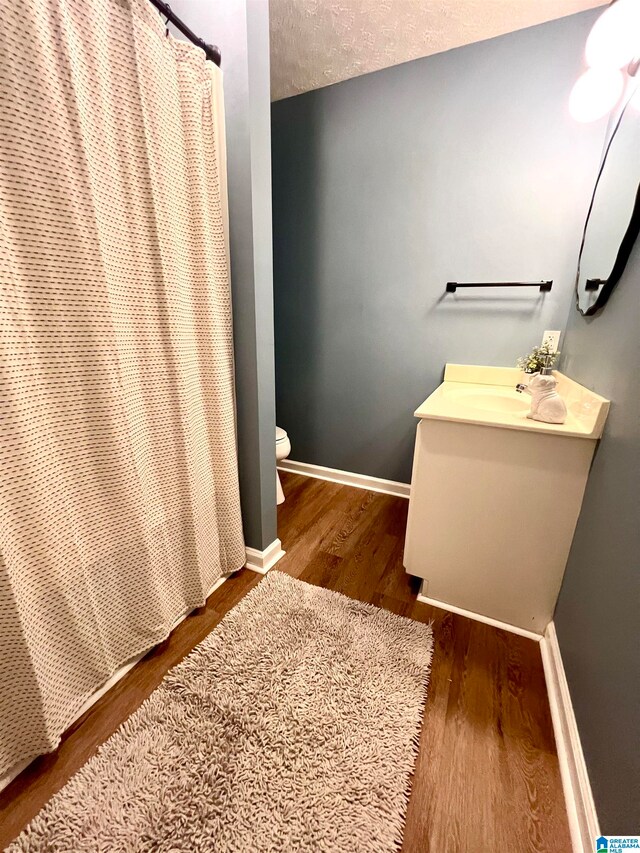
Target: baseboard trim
<point>262,561</point>
<point>119,674</point>
<point>478,617</point>
<point>346,478</point>
<point>581,810</point>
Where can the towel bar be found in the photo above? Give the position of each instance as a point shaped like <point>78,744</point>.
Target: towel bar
<point>545,286</point>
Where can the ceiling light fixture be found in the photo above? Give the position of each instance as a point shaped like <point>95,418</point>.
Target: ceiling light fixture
<point>612,53</point>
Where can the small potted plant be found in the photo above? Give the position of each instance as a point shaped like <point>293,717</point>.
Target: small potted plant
<point>539,357</point>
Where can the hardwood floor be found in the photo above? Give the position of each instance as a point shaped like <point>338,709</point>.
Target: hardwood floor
<point>487,774</point>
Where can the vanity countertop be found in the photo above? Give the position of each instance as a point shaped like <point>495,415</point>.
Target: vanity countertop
<point>487,396</point>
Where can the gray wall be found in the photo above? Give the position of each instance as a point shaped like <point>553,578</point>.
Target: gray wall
<point>460,166</point>
<point>241,29</point>
<point>597,613</point>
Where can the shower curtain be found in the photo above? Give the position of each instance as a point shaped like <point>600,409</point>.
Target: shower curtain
<point>119,502</point>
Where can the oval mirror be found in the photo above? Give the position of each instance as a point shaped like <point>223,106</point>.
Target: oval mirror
<point>613,219</point>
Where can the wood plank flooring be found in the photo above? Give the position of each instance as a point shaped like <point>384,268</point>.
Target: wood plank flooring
<point>487,774</point>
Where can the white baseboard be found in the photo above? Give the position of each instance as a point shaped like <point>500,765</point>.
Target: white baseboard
<point>478,617</point>
<point>262,561</point>
<point>581,810</point>
<point>346,478</point>
<point>120,673</point>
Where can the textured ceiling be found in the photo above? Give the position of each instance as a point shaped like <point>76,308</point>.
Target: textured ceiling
<point>318,42</point>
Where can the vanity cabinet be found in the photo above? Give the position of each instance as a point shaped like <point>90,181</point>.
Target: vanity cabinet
<point>495,497</point>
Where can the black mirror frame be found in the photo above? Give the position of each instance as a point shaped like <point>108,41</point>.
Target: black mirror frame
<point>626,245</point>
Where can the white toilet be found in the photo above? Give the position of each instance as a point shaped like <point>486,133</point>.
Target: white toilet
<point>283,449</point>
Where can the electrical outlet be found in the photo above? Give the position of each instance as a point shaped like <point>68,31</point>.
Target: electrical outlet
<point>552,338</point>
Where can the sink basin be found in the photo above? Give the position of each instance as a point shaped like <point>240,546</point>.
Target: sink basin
<point>488,396</point>
<point>489,399</point>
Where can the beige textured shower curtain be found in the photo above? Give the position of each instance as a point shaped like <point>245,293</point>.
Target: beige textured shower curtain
<point>119,502</point>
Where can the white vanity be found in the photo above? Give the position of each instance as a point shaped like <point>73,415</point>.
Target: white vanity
<point>495,496</point>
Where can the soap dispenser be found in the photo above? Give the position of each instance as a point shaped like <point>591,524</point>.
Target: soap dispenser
<point>546,404</point>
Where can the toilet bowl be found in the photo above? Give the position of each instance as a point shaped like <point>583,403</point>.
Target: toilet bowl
<point>283,449</point>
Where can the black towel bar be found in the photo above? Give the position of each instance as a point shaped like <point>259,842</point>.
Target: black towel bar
<point>545,286</point>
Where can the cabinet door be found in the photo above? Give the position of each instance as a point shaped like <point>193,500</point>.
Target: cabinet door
<point>491,517</point>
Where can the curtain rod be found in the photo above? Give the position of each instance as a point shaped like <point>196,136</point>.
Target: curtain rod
<point>211,51</point>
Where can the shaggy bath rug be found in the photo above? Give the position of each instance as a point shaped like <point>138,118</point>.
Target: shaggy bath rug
<point>292,727</point>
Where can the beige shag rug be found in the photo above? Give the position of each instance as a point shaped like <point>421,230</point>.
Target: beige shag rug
<point>292,727</point>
